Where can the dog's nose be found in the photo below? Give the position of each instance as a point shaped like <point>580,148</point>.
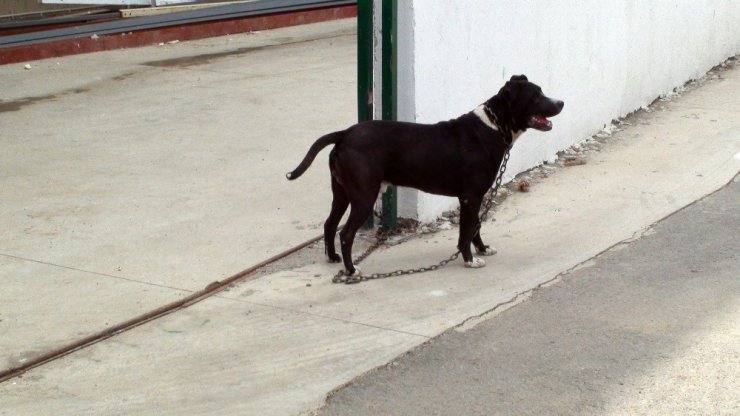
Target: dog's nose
<point>560,104</point>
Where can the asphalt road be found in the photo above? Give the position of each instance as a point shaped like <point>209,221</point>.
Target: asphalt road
<point>648,327</point>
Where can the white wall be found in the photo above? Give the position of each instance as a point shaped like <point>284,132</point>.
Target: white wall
<point>603,58</point>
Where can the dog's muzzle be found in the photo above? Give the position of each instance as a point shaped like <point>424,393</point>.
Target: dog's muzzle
<point>540,121</point>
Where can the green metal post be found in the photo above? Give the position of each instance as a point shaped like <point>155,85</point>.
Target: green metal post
<point>365,67</point>
<point>389,71</point>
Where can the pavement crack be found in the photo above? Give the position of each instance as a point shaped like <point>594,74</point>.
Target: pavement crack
<point>318,315</point>
<point>128,279</point>
<point>520,297</point>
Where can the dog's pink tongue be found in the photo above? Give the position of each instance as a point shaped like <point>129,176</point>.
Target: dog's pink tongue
<point>542,121</point>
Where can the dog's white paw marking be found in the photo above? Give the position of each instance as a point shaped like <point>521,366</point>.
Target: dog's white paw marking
<point>357,272</point>
<point>489,251</point>
<point>476,263</point>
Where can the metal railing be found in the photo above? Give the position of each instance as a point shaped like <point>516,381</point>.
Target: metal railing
<point>230,11</point>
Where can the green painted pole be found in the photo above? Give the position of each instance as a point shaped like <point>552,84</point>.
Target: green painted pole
<point>364,60</point>
<point>389,71</point>
<point>365,67</point>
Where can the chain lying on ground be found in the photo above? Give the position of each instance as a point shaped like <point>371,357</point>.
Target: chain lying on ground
<point>381,238</point>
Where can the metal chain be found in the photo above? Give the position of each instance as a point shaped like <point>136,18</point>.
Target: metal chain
<point>340,277</point>
<point>488,202</point>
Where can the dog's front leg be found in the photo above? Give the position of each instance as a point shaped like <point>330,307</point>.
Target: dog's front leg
<point>469,208</point>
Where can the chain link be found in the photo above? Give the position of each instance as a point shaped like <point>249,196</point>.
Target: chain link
<point>341,277</point>
<point>488,202</point>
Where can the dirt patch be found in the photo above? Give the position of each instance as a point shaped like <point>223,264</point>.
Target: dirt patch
<point>194,60</point>
<point>17,105</point>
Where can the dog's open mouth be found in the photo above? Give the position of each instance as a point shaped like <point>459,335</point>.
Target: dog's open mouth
<point>540,123</point>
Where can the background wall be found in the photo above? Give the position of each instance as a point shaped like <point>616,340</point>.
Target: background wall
<point>604,59</point>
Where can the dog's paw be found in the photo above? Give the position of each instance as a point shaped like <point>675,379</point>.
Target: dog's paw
<point>476,263</point>
<point>487,251</point>
<point>336,258</point>
<point>357,272</point>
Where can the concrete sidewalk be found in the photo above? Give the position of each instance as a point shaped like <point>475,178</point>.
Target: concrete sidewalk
<point>132,178</point>
<point>277,344</point>
<point>649,327</point>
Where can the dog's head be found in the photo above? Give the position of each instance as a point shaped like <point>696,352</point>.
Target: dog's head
<point>528,107</point>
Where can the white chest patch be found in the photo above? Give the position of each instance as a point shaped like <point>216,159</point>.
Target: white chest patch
<point>481,113</point>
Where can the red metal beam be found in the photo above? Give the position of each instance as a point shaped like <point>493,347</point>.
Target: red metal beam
<point>182,33</point>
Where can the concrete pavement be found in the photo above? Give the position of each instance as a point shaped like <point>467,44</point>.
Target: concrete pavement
<point>142,224</point>
<point>650,327</point>
<point>131,178</point>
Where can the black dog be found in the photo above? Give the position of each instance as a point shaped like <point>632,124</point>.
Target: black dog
<point>459,158</point>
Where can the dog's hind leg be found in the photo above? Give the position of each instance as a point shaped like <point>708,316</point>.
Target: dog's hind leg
<point>339,205</point>
<point>480,247</point>
<point>362,207</point>
<point>469,208</point>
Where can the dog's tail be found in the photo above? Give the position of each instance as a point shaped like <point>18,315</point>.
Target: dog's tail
<point>316,147</point>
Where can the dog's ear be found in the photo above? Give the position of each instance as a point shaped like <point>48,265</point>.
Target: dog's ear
<point>521,78</point>
<point>511,89</point>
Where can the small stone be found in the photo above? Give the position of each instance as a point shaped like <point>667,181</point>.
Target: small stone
<point>445,226</point>
<point>523,185</point>
<point>574,162</point>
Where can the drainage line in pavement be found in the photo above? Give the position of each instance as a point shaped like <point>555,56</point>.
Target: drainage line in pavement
<point>195,297</point>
